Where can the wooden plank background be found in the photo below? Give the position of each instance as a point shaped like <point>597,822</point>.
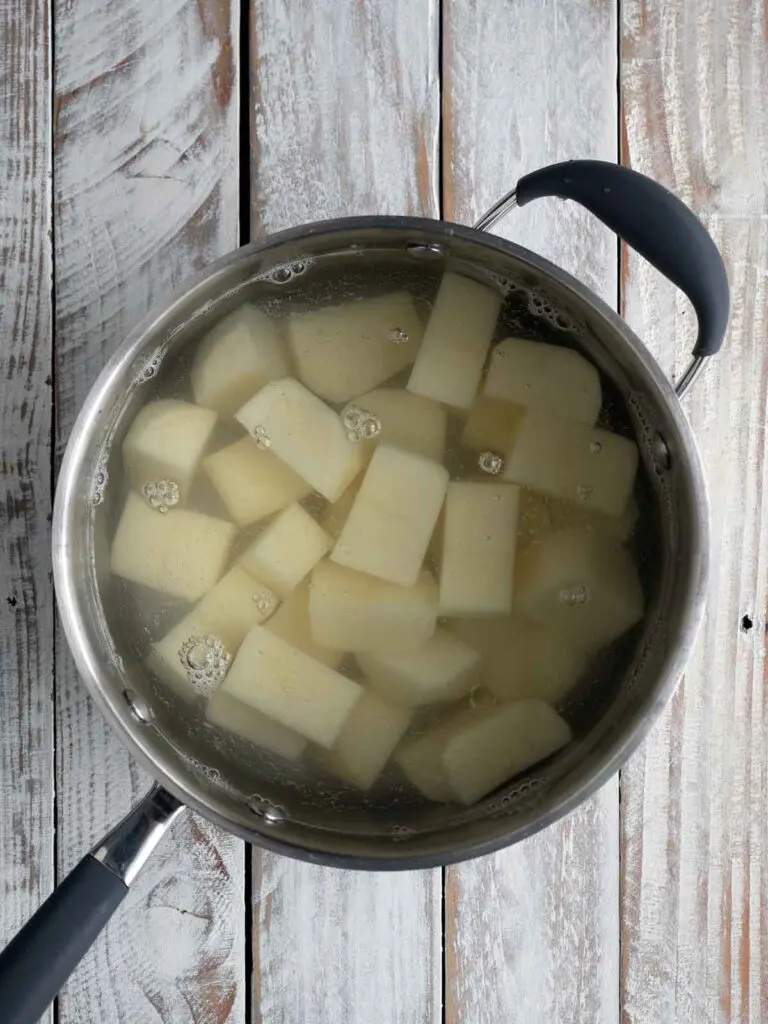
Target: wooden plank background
<point>651,909</point>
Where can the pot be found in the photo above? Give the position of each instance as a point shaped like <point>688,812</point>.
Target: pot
<point>611,725</point>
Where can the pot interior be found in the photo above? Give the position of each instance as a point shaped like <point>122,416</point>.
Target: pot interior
<point>310,814</point>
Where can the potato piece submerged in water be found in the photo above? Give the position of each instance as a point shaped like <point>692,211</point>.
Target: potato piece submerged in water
<point>549,378</point>
<point>585,586</point>
<point>305,434</point>
<point>367,739</point>
<point>586,465</point>
<point>478,549</point>
<point>475,751</point>
<point>488,747</point>
<point>291,623</point>
<point>456,341</point>
<point>287,550</point>
<point>252,482</point>
<point>445,668</point>
<point>349,610</point>
<point>226,613</point>
<point>180,552</point>
<point>541,514</point>
<point>522,657</point>
<point>393,516</point>
<point>166,442</point>
<point>342,351</point>
<point>241,354</point>
<point>492,424</point>
<point>284,683</point>
<point>407,421</point>
<point>226,712</point>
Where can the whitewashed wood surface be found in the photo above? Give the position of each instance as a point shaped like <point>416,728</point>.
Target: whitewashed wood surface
<point>647,911</point>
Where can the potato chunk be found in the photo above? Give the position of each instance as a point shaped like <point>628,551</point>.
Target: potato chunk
<point>420,760</point>
<point>523,658</point>
<point>166,441</point>
<point>486,748</point>
<point>241,354</point>
<point>349,610</point>
<point>287,550</point>
<point>408,421</point>
<point>367,739</point>
<point>394,514</point>
<point>541,514</point>
<point>548,378</point>
<point>335,515</point>
<point>478,549</point>
<point>443,669</point>
<point>253,483</point>
<point>227,612</point>
<point>587,465</point>
<point>582,585</point>
<point>234,716</point>
<point>291,623</point>
<point>456,341</point>
<point>306,434</point>
<point>492,424</point>
<point>181,553</point>
<point>283,683</point>
<point>342,351</point>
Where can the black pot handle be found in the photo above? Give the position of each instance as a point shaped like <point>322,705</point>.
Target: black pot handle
<point>655,223</point>
<point>36,963</point>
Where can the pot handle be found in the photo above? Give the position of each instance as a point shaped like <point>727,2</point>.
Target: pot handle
<point>38,961</point>
<point>650,219</point>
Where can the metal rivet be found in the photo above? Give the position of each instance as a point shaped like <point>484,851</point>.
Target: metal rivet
<point>271,813</point>
<point>661,455</point>
<point>139,707</point>
<point>431,251</point>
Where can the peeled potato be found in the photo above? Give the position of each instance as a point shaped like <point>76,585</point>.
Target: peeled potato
<point>227,612</point>
<point>181,553</point>
<point>478,549</point>
<point>226,712</point>
<point>456,341</point>
<point>548,378</point>
<point>305,434</point>
<point>523,658</point>
<point>443,669</point>
<point>236,358</point>
<point>252,482</point>
<point>335,515</point>
<point>391,521</point>
<point>487,748</point>
<point>407,421</point>
<point>565,459</point>
<point>287,550</point>
<point>291,623</point>
<point>492,424</point>
<point>349,610</point>
<point>166,441</point>
<point>420,760</point>
<point>284,683</point>
<point>367,739</point>
<point>582,585</point>
<point>345,350</point>
<point>541,514</point>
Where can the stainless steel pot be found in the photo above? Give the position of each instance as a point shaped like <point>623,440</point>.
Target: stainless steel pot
<point>640,681</point>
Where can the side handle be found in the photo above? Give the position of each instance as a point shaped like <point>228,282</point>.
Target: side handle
<point>655,223</point>
<point>36,963</point>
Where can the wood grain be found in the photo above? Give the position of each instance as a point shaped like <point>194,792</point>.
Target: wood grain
<point>532,932</point>
<point>694,833</point>
<point>345,121</point>
<point>146,151</point>
<point>26,594</point>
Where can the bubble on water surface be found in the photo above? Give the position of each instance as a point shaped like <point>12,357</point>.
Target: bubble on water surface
<point>206,661</point>
<point>261,437</point>
<point>574,595</point>
<point>490,462</point>
<point>161,494</point>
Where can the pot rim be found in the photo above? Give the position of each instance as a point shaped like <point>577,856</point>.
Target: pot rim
<point>67,498</point>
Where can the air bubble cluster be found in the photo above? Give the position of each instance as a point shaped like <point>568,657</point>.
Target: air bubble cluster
<point>398,335</point>
<point>205,661</point>
<point>150,368</point>
<point>264,602</point>
<point>490,462</point>
<point>575,595</point>
<point>161,494</point>
<point>99,483</point>
<point>584,492</point>
<point>261,437</point>
<point>360,425</point>
<point>286,272</point>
